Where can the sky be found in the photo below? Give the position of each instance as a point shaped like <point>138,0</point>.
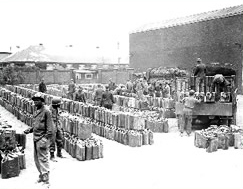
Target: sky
<point>89,24</point>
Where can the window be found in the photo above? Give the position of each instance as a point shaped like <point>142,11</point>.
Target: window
<point>88,76</point>
<point>78,76</point>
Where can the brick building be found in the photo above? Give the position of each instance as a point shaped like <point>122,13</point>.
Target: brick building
<point>214,36</point>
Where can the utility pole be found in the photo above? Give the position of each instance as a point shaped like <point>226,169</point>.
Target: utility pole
<point>118,47</point>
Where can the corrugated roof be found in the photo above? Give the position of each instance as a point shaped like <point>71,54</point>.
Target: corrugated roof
<point>31,54</point>
<point>84,71</point>
<point>222,13</point>
<point>4,55</point>
<point>41,54</point>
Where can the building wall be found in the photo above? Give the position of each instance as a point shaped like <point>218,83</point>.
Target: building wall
<point>117,76</point>
<point>64,76</point>
<point>212,41</point>
<point>50,76</point>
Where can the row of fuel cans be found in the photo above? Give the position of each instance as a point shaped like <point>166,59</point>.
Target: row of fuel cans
<point>82,150</point>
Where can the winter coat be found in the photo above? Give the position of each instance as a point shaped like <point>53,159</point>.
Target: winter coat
<point>42,87</point>
<point>107,98</point>
<point>43,124</point>
<point>79,97</point>
<point>200,70</point>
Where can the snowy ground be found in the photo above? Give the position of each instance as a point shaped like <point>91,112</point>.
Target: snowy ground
<point>171,163</point>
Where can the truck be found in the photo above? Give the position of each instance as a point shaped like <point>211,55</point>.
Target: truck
<point>209,112</point>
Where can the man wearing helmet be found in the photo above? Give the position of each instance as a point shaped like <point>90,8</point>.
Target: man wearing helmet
<point>189,103</point>
<point>42,133</point>
<point>58,137</point>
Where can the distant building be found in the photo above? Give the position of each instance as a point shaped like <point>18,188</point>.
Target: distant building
<point>215,36</point>
<point>4,55</point>
<point>41,57</point>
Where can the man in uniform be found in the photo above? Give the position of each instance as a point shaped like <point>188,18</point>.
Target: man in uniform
<point>71,89</point>
<point>189,103</point>
<point>42,133</point>
<point>42,86</point>
<point>58,137</point>
<point>219,84</point>
<point>107,99</point>
<point>129,86</point>
<point>98,95</point>
<point>79,95</point>
<point>200,72</point>
<point>111,85</point>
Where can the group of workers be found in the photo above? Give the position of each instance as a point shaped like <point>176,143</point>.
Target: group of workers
<point>218,85</point>
<point>46,126</point>
<point>156,89</point>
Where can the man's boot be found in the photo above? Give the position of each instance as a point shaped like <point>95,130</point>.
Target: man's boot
<point>52,158</point>
<point>59,153</point>
<point>45,179</point>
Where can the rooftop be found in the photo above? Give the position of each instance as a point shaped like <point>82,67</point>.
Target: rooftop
<point>222,13</point>
<point>40,53</point>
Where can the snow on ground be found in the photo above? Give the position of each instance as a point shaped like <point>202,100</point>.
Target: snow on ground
<point>171,163</point>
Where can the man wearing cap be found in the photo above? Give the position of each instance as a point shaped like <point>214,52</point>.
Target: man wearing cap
<point>58,137</point>
<point>219,84</point>
<point>71,89</point>
<point>42,86</point>
<point>42,133</point>
<point>200,72</point>
<point>189,103</point>
<point>107,99</point>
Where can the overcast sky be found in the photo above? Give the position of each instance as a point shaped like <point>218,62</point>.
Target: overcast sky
<point>89,23</point>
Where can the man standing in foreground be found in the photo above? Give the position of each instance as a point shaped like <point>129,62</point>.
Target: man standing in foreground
<point>42,133</point>
<point>189,103</point>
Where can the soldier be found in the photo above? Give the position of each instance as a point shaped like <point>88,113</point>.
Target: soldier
<point>219,84</point>
<point>58,137</point>
<point>140,88</point>
<point>200,72</point>
<point>129,86</point>
<point>79,95</point>
<point>42,86</point>
<point>166,90</point>
<point>107,99</point>
<point>111,85</point>
<point>98,95</point>
<point>71,89</point>
<point>189,103</point>
<point>42,133</point>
